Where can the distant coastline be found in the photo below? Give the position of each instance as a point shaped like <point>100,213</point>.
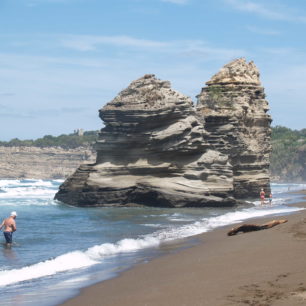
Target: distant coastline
<point>41,163</point>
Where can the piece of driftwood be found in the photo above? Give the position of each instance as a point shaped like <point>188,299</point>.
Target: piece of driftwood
<point>254,227</point>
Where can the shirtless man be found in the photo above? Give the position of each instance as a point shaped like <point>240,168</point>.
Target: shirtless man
<point>262,196</point>
<point>9,225</point>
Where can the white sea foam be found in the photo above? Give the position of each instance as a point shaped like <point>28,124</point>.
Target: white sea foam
<point>96,254</point>
<point>27,182</point>
<point>152,225</point>
<point>28,189</point>
<point>275,201</point>
<point>280,188</point>
<point>58,181</point>
<point>123,246</point>
<point>69,261</point>
<point>75,260</point>
<point>177,217</point>
<point>180,219</point>
<point>27,202</point>
<point>28,192</point>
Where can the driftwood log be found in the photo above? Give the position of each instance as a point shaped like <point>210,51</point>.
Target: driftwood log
<point>254,227</point>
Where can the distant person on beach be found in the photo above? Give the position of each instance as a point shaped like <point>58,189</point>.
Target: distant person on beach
<point>270,198</point>
<point>9,225</point>
<point>262,196</point>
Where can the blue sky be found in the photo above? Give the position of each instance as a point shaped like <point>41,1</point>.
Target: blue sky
<point>62,60</point>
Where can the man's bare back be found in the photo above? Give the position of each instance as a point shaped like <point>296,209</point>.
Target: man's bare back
<point>9,225</point>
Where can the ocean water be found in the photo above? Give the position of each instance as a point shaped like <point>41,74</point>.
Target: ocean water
<point>59,249</point>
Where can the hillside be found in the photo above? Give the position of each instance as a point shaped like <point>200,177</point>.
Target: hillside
<point>48,157</point>
<point>70,141</point>
<point>288,159</point>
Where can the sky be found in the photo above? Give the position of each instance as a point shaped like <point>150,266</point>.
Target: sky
<point>62,60</point>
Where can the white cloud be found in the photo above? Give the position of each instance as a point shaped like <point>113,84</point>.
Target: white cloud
<point>275,13</point>
<point>90,43</point>
<point>186,48</point>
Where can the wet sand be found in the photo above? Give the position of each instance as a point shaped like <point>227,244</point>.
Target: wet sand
<point>265,268</point>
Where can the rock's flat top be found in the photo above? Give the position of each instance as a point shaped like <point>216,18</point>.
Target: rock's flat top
<point>237,72</point>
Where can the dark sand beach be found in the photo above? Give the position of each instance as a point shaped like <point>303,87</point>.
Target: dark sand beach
<point>266,267</point>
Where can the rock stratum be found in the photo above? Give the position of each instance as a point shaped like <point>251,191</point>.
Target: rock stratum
<point>41,163</point>
<point>234,108</point>
<point>158,149</point>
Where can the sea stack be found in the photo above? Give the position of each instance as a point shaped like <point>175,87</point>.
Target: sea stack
<point>152,151</point>
<point>234,108</point>
<point>157,149</point>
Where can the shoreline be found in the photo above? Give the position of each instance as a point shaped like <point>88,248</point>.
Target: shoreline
<point>266,267</point>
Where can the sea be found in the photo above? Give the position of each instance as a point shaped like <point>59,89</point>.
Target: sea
<point>59,249</point>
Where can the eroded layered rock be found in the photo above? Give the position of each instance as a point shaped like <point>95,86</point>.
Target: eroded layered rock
<point>158,150</point>
<point>152,151</point>
<point>234,108</point>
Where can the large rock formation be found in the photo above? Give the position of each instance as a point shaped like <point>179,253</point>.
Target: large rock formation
<point>157,149</point>
<point>234,108</point>
<point>152,151</point>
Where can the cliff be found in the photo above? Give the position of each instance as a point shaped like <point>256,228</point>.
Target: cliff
<point>41,163</point>
<point>157,149</point>
<point>234,108</point>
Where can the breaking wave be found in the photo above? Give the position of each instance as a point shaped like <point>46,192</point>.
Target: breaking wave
<point>96,254</point>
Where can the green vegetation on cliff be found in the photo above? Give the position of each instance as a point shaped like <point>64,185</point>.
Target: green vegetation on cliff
<point>288,158</point>
<point>69,141</point>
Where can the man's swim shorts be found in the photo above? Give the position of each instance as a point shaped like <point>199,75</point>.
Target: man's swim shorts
<point>8,237</point>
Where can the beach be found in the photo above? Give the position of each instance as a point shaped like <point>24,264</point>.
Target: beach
<point>265,267</point>
<point>146,256</point>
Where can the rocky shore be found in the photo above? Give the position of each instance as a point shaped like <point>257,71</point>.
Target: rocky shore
<point>41,163</point>
<point>158,149</point>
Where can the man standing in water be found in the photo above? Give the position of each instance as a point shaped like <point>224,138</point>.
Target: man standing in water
<point>9,225</point>
<point>262,196</point>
